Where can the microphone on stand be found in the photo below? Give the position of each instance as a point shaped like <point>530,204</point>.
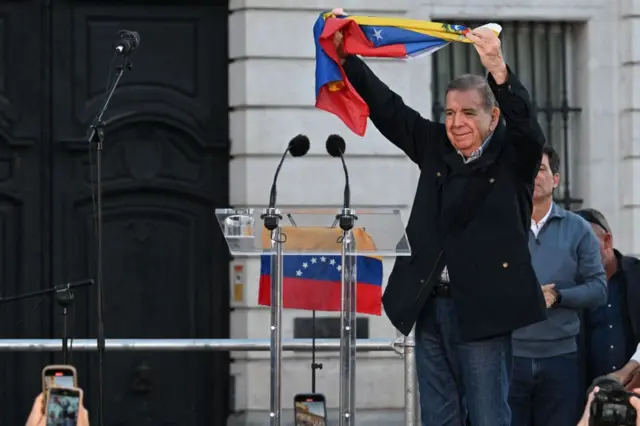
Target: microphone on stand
<point>336,147</point>
<point>297,147</point>
<point>129,41</point>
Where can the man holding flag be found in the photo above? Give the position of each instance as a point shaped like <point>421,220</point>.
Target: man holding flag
<point>469,282</point>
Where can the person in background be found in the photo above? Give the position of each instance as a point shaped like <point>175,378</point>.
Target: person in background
<point>612,331</point>
<point>545,387</point>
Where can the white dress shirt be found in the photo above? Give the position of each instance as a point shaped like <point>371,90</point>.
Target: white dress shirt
<point>636,356</point>
<point>537,226</point>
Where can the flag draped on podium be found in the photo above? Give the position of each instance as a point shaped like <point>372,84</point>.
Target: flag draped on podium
<point>374,37</point>
<point>313,282</point>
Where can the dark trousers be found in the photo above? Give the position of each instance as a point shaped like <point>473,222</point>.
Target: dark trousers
<point>458,379</point>
<point>545,391</point>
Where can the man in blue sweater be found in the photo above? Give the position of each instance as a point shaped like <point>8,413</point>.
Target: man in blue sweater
<point>565,254</point>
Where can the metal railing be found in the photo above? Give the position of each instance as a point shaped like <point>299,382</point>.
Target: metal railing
<point>403,346</point>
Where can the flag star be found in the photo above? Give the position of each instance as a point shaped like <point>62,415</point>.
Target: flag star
<point>323,259</point>
<point>332,262</point>
<point>314,260</point>
<point>298,272</point>
<point>339,267</point>
<point>305,265</point>
<point>377,34</point>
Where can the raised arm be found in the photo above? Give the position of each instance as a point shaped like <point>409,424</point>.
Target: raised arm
<point>514,102</point>
<point>402,125</point>
<point>521,123</point>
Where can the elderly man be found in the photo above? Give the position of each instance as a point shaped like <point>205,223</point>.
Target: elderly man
<point>469,282</point>
<point>565,254</point>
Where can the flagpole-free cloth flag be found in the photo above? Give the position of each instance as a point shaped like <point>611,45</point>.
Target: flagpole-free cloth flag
<point>313,282</point>
<point>374,37</point>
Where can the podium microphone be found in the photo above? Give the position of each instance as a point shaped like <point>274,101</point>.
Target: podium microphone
<point>298,147</point>
<point>336,147</point>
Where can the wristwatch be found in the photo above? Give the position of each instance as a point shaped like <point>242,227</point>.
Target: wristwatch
<point>558,298</point>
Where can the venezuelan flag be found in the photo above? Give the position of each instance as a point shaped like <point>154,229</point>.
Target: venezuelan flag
<point>314,283</point>
<point>375,37</point>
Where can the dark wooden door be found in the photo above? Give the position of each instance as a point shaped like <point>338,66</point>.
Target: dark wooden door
<point>165,171</point>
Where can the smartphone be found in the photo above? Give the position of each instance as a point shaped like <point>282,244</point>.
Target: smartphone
<point>60,376</point>
<point>63,406</point>
<point>310,410</point>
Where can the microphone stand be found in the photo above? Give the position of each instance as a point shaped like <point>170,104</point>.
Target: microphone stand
<point>314,365</point>
<point>96,136</point>
<point>64,297</point>
<point>346,220</point>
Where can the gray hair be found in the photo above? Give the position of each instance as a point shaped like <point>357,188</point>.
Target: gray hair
<point>468,82</point>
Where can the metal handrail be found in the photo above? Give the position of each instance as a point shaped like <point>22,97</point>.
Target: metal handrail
<point>402,346</point>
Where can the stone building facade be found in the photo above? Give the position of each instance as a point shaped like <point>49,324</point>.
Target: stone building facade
<point>271,95</point>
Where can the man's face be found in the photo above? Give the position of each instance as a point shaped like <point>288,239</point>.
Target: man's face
<point>605,241</point>
<point>467,121</point>
<point>545,181</point>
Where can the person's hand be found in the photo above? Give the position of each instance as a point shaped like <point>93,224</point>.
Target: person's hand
<point>584,421</point>
<point>37,416</point>
<point>550,295</point>
<point>622,376</point>
<point>635,403</point>
<point>489,48</point>
<point>338,39</point>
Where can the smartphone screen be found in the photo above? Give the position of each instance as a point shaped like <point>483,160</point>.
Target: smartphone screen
<point>61,376</point>
<point>310,410</point>
<point>62,407</point>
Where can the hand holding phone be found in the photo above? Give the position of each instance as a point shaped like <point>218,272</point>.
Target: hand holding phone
<point>40,410</point>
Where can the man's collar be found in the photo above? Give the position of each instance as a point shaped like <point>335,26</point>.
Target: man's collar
<point>478,152</point>
<point>557,211</point>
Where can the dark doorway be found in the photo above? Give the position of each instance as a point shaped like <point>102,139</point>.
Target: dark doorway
<point>165,171</point>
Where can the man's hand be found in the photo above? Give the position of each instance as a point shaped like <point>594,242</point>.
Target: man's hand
<point>550,294</point>
<point>625,374</point>
<point>489,48</point>
<point>338,39</point>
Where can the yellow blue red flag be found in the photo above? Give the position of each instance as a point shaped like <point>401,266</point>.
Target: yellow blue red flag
<point>374,37</point>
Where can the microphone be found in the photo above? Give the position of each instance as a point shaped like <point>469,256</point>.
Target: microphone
<point>129,41</point>
<point>297,147</point>
<point>336,147</point>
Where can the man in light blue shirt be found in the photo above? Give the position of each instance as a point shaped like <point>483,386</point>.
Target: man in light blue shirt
<point>565,254</point>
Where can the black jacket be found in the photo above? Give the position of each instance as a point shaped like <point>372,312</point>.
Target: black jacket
<point>494,287</point>
<point>630,268</point>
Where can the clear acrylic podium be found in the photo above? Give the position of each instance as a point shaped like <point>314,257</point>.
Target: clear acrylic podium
<point>315,231</point>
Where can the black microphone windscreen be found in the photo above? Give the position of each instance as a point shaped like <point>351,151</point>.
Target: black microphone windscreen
<point>336,145</point>
<point>299,146</point>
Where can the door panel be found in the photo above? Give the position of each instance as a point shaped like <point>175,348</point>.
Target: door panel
<point>24,203</point>
<point>165,169</point>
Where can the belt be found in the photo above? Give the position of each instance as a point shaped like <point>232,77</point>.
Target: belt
<point>441,289</point>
